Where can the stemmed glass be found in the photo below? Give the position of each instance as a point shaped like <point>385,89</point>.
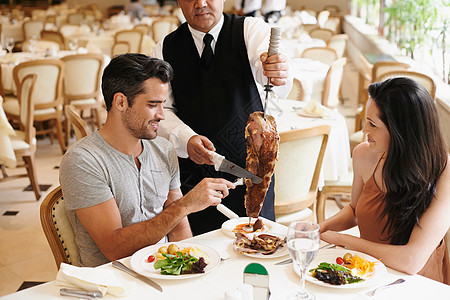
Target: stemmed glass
<point>303,241</point>
<point>73,44</point>
<point>9,44</point>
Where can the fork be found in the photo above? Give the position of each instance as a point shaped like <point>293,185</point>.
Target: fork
<point>372,293</point>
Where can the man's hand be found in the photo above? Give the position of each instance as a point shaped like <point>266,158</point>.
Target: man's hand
<point>275,67</point>
<point>209,191</point>
<point>198,148</point>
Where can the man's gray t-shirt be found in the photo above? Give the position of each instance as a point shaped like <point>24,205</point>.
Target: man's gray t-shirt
<point>92,172</point>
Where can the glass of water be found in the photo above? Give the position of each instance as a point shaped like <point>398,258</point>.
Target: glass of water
<point>303,241</point>
<point>73,44</point>
<point>9,44</point>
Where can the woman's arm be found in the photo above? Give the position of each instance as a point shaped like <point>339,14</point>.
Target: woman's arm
<point>424,239</point>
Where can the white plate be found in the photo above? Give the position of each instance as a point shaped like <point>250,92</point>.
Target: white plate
<point>228,226</point>
<point>281,251</point>
<point>329,256</point>
<point>139,262</point>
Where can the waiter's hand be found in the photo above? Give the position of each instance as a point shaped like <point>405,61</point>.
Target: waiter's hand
<point>275,67</point>
<point>198,148</point>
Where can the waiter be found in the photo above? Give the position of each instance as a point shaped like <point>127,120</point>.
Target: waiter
<point>220,66</point>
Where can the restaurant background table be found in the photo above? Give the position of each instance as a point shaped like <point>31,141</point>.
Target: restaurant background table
<point>312,74</point>
<point>295,46</point>
<point>229,274</point>
<point>337,158</point>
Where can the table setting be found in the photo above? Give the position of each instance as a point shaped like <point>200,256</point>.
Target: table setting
<point>225,278</point>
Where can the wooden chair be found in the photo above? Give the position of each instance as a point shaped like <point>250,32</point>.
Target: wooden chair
<point>297,92</point>
<point>339,43</point>
<point>24,140</point>
<point>326,55</point>
<point>58,230</point>
<point>163,26</point>
<point>132,37</point>
<point>332,83</point>
<point>421,78</point>
<point>75,18</point>
<point>332,8</point>
<point>334,24</point>
<point>321,33</point>
<point>322,17</point>
<point>80,127</point>
<point>69,29</point>
<point>48,92</point>
<point>120,48</point>
<point>54,36</point>
<point>82,76</point>
<point>297,172</point>
<point>32,28</point>
<point>144,28</point>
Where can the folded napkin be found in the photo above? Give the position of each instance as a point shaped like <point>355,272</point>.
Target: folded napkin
<point>316,109</point>
<point>101,279</point>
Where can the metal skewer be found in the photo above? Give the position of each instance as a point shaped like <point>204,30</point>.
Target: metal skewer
<point>274,44</point>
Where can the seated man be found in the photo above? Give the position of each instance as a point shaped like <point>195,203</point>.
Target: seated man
<point>121,184</point>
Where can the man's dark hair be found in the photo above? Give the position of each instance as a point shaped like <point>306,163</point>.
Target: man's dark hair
<point>126,74</point>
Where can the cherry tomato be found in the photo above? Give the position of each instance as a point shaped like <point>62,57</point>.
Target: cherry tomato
<point>339,260</point>
<point>151,258</point>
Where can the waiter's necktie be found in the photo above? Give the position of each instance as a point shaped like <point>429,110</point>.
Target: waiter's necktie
<point>207,54</point>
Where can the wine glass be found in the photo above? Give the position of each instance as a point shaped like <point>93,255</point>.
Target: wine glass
<point>9,44</point>
<point>303,241</point>
<point>73,44</point>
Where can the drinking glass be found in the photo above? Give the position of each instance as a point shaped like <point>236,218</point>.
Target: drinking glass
<point>303,240</point>
<point>9,44</point>
<point>73,44</point>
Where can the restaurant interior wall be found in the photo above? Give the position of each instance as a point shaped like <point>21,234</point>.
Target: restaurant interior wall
<point>316,5</point>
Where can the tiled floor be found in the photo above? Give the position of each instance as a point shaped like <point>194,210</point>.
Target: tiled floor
<point>24,253</point>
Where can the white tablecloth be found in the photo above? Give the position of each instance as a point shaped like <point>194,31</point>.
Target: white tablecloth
<point>337,155</point>
<point>294,47</point>
<point>312,74</point>
<point>229,274</point>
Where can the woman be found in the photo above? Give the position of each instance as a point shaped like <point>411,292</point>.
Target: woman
<point>401,185</point>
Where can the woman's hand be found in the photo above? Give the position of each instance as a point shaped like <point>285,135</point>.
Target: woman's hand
<point>332,237</point>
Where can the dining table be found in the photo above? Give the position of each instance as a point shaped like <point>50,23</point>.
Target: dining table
<point>337,159</point>
<point>226,273</point>
<point>312,75</point>
<point>295,46</point>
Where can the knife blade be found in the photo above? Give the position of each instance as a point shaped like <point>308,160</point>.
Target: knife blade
<point>121,266</point>
<point>224,165</point>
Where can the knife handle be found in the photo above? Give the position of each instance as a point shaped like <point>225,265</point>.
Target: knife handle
<point>80,293</point>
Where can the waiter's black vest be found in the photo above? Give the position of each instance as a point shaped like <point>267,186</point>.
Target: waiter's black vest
<point>215,103</point>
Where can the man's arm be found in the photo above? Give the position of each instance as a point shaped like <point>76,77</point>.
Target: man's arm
<point>182,230</point>
<point>103,221</point>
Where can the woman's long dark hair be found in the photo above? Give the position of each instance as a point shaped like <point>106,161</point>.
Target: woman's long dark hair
<point>417,153</point>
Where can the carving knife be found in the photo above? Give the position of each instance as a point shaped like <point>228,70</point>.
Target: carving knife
<point>121,266</point>
<point>224,165</point>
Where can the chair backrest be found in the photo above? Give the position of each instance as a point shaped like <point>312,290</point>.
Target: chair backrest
<point>75,18</point>
<point>381,67</point>
<point>79,125</point>
<point>297,92</point>
<point>54,36</point>
<point>334,24</point>
<point>423,79</point>
<point>133,37</point>
<point>326,55</point>
<point>26,112</point>
<point>321,33</point>
<point>322,17</point>
<point>48,87</point>
<point>32,28</point>
<point>40,45</point>
<point>162,27</point>
<point>82,76</point>
<point>58,230</point>
<point>120,48</point>
<point>338,42</point>
<point>298,168</point>
<point>332,83</point>
<point>331,8</point>
<point>144,28</point>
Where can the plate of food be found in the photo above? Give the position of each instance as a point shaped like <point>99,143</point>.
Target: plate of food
<point>344,269</point>
<point>261,245</point>
<point>173,261</point>
<point>232,226</point>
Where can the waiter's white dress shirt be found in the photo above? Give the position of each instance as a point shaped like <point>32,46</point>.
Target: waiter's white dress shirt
<point>273,5</point>
<point>256,37</point>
